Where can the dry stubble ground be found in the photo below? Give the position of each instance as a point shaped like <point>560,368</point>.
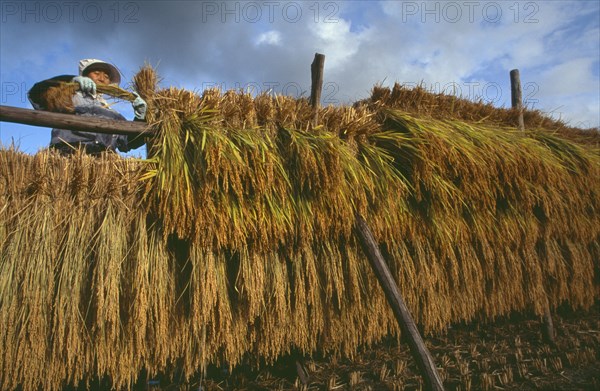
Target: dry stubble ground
<point>508,354</point>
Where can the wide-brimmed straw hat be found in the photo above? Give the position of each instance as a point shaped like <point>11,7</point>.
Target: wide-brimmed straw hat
<point>91,64</point>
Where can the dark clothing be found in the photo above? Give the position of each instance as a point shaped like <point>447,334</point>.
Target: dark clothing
<point>94,141</point>
<point>85,105</point>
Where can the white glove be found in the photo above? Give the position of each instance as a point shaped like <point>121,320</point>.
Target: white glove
<point>86,85</point>
<point>139,107</point>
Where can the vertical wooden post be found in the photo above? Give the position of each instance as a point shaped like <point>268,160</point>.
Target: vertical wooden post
<point>516,95</point>
<point>548,329</point>
<point>407,325</point>
<point>392,293</point>
<point>517,102</point>
<point>316,72</point>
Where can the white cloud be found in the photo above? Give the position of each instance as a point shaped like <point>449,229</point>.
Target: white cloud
<point>568,78</point>
<point>272,37</point>
<point>337,41</point>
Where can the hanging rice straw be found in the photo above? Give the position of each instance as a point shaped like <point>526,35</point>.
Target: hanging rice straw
<point>233,242</point>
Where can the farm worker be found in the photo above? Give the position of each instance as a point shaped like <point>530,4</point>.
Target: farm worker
<point>87,102</point>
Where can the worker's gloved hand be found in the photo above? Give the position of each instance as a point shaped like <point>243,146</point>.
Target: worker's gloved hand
<point>86,85</point>
<point>139,107</point>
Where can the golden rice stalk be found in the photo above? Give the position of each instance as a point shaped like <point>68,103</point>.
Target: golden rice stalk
<point>115,92</point>
<point>59,98</point>
<point>446,105</point>
<point>145,82</point>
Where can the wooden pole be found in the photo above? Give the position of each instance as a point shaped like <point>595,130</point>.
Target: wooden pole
<point>548,329</point>
<point>517,102</point>
<point>392,293</point>
<point>71,122</point>
<point>516,95</point>
<point>316,71</point>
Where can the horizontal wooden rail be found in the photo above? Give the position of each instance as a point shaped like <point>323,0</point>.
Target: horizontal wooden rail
<point>71,122</point>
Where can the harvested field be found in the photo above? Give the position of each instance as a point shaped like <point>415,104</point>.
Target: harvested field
<point>508,354</point>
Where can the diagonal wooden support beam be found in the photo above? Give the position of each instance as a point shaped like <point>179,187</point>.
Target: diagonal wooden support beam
<point>409,329</point>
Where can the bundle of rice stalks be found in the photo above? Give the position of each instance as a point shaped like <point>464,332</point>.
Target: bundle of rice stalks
<point>234,240</point>
<point>440,105</point>
<point>60,98</point>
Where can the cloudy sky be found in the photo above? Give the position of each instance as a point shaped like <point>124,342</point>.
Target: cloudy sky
<point>462,47</point>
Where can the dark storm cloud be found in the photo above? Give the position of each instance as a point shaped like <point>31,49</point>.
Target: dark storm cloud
<point>186,38</point>
<point>218,42</point>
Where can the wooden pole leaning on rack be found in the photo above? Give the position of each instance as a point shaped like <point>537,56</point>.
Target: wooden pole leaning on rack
<point>419,351</point>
